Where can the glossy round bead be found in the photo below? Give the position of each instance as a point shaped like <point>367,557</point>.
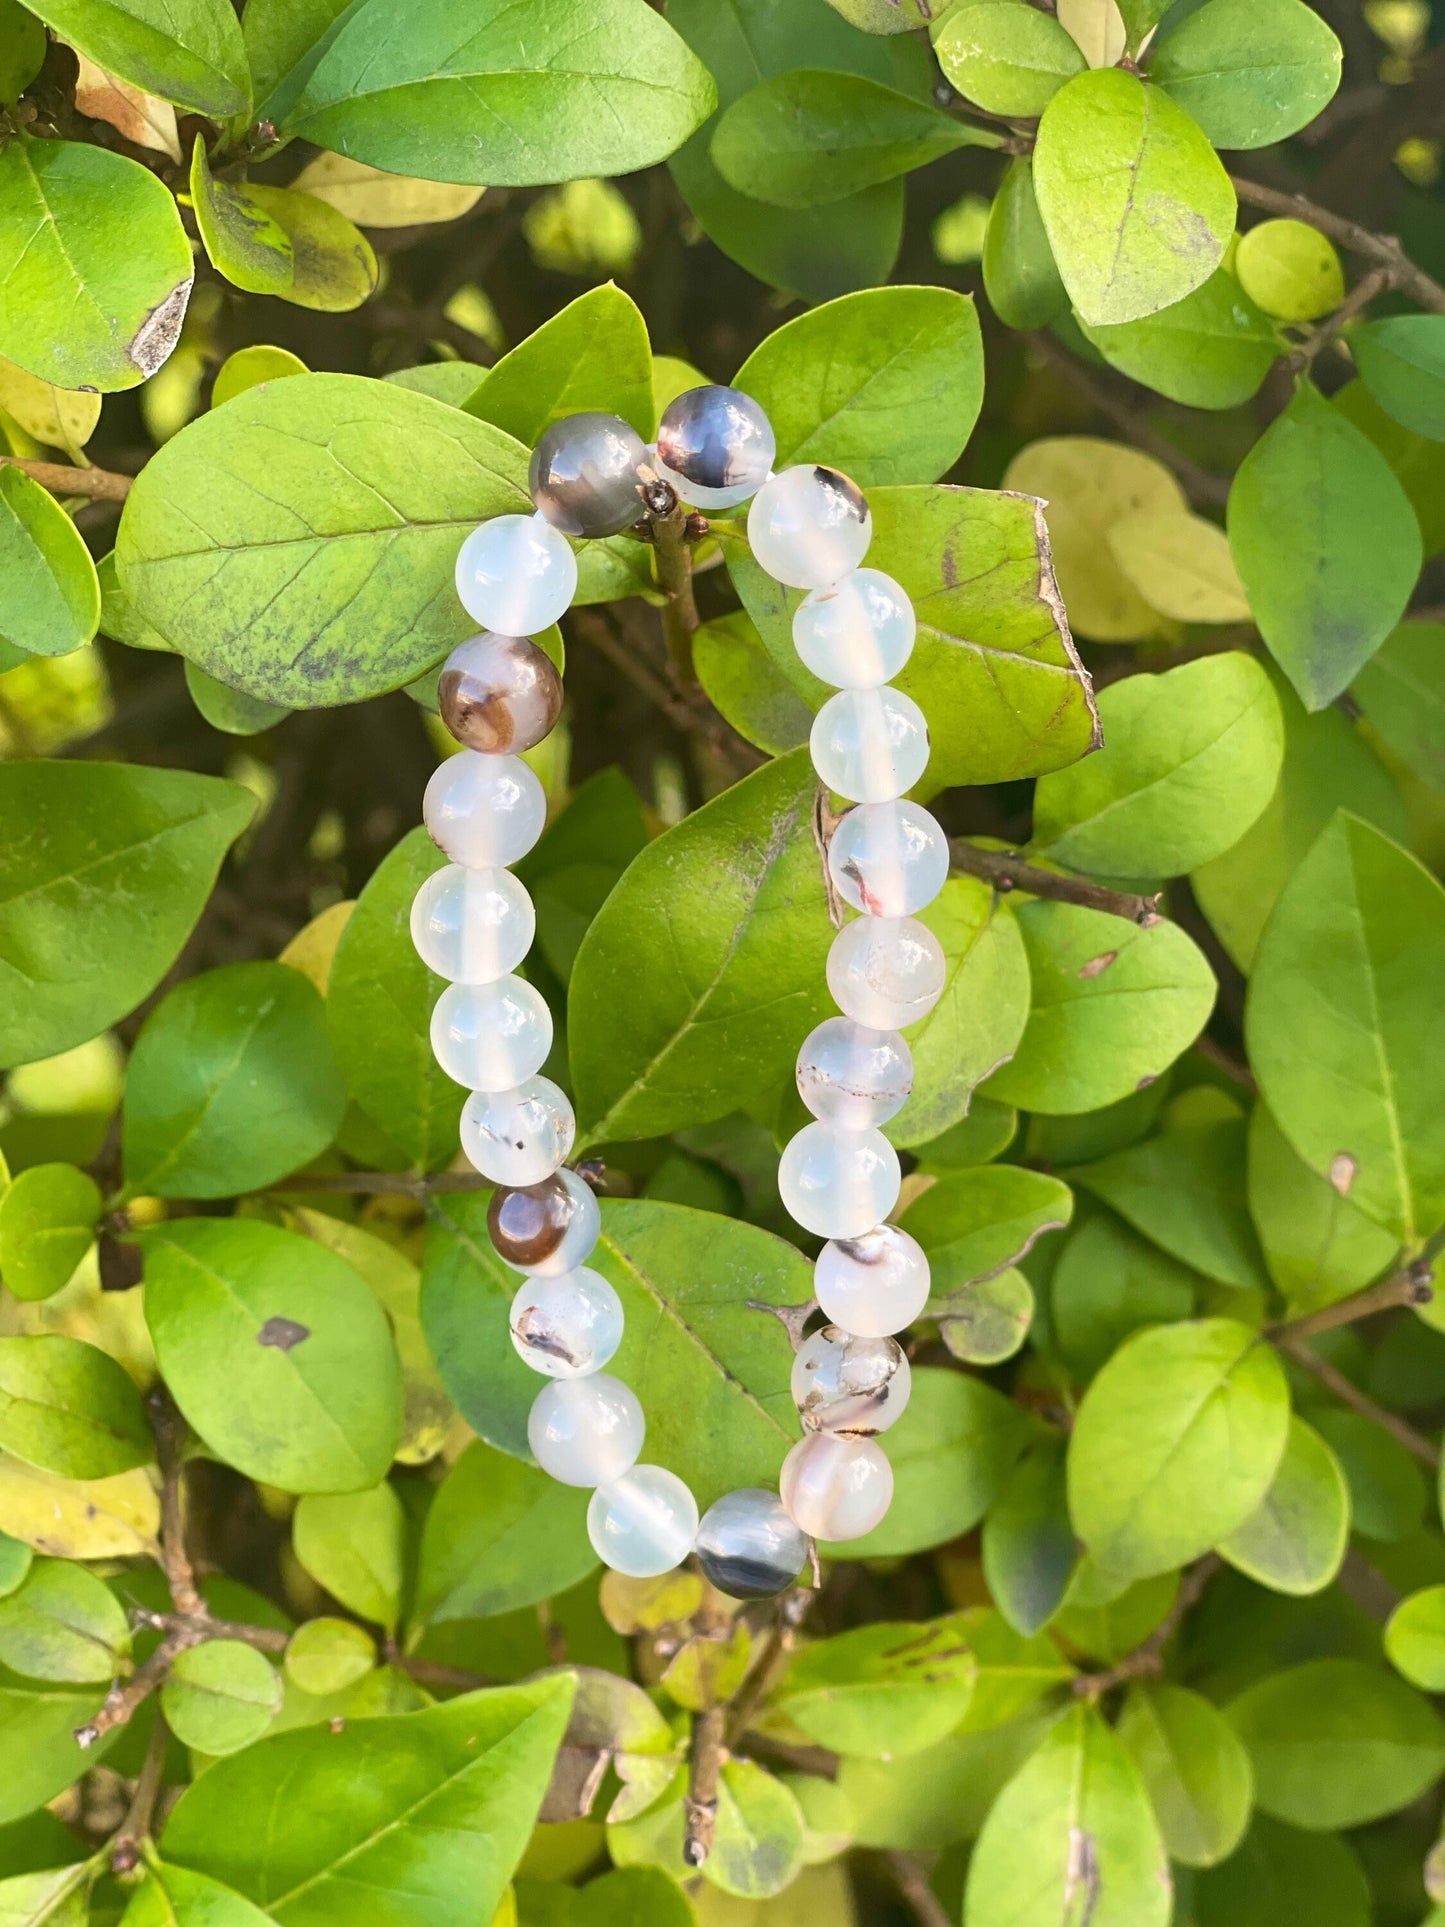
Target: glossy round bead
<point>584,476</point>
<point>491,1037</point>
<point>888,859</point>
<point>870,745</point>
<point>836,1487</point>
<point>858,632</point>
<point>499,694</point>
<point>545,1228</point>
<point>886,972</point>
<point>586,1431</point>
<point>516,575</point>
<point>837,1183</point>
<point>875,1284</point>
<point>484,812</point>
<point>644,1523</point>
<point>472,926</point>
<point>809,526</point>
<point>748,1546</point>
<point>853,1076</point>
<point>518,1136</point>
<point>568,1326</point>
<point>844,1382</point>
<point>716,446</point>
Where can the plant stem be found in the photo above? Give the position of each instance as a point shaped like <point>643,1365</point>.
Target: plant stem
<point>100,484</point>
<point>912,1883</point>
<point>125,1848</point>
<point>1007,870</point>
<point>763,1674</point>
<point>1381,248</point>
<point>1148,1658</point>
<point>122,1701</point>
<point>1409,1286</point>
<point>180,1574</point>
<point>671,539</point>
<point>1348,1393</point>
<point>703,1773</point>
<point>1354,303</point>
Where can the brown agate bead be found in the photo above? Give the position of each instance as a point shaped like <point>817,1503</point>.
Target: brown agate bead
<point>544,1228</point>
<point>499,694</point>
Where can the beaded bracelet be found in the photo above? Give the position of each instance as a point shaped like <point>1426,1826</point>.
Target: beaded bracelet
<point>473,923</point>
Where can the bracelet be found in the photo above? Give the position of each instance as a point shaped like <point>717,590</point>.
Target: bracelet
<point>499,694</point>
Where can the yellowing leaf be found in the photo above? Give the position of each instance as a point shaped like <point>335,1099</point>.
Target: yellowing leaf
<point>79,1518</point>
<point>1180,564</point>
<point>313,947</point>
<point>140,116</point>
<point>373,198</point>
<point>58,417</point>
<point>1096,27</point>
<point>1290,269</point>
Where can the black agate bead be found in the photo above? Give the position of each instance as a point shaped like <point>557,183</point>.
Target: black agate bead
<point>748,1546</point>
<point>716,446</point>
<point>584,474</point>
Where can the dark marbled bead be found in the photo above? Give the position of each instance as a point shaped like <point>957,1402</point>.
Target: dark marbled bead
<point>544,1228</point>
<point>499,694</point>
<point>748,1546</point>
<point>716,446</point>
<point>584,475</point>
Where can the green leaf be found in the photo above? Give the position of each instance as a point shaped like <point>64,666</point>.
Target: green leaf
<point>276,1352</point>
<point>1175,1444</point>
<point>102,874</point>
<point>1210,350</point>
<point>1029,1552</point>
<point>1107,1283</point>
<point>976,1223</point>
<point>328,1655</point>
<point>1019,274</point>
<point>22,54</point>
<point>1326,544</point>
<point>1337,1742</point>
<point>353,1545</point>
<point>1402,362</point>
<point>1198,1774</point>
<point>1190,759</point>
<point>882,1690</point>
<point>758,1850</point>
<point>1388,1495</point>
<point>186,51</point>
<point>933,1799</point>
<point>172,1897</point>
<point>378,1011</point>
<point>300,542</point>
<point>87,303</point>
<point>1295,1540</point>
<point>1251,72</point>
<point>703,971</point>
<point>1113,1006</point>
<point>1071,1837</point>
<point>1281,1878</point>
<point>456,94</point>
<point>58,1897</point>
<point>63,1623</point>
<point>801,139</point>
<point>273,240</point>
<point>986,1322</point>
<point>592,354</point>
<point>1137,206</point>
<point>231,710</point>
<point>48,1216</point>
<point>230,1085</point>
<point>1185,1190</point>
<point>711,1373</point>
<point>248,367</point>
<point>439,1802</point>
<point>1417,463</point>
<point>1345,1028</point>
<point>1401,690</point>
<point>1318,1246</point>
<point>37,1726</point>
<point>500,1535</point>
<point>745,684</point>
<point>220,1696</point>
<point>886,384</point>
<point>15,1561</point>
<point>1415,1638</point>
<point>951,1452</point>
<point>1008,59</point>
<point>52,596</point>
<point>68,1407</point>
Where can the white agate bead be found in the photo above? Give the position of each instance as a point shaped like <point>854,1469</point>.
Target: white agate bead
<point>874,1284</point>
<point>809,526</point>
<point>518,1136</point>
<point>844,1382</point>
<point>644,1523</point>
<point>858,632</point>
<point>870,745</point>
<point>484,812</point>
<point>516,574</point>
<point>888,859</point>
<point>836,1487</point>
<point>586,1431</point>
<point>748,1546</point>
<point>472,926</point>
<point>545,1229</point>
<point>852,1076</point>
<point>886,972</point>
<point>567,1327</point>
<point>838,1183</point>
<point>491,1037</point>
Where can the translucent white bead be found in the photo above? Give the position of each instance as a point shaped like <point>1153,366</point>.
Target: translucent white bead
<point>858,632</point>
<point>870,745</point>
<point>644,1523</point>
<point>844,1382</point>
<point>886,971</point>
<point>836,1487</point>
<point>545,1229</point>
<point>484,812</point>
<point>586,1431</point>
<point>472,926</point>
<point>516,574</point>
<point>809,526</point>
<point>491,1037</point>
<point>853,1076</point>
<point>567,1327</point>
<point>890,859</point>
<point>838,1183</point>
<point>518,1136</point>
<point>874,1284</point>
<point>748,1546</point>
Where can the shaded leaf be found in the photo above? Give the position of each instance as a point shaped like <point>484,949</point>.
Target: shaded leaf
<point>52,597</point>
<point>48,1216</point>
<point>1296,1538</point>
<point>500,1535</point>
<point>186,51</point>
<point>69,1408</point>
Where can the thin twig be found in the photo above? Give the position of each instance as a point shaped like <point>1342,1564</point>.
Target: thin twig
<point>180,1574</point>
<point>1354,303</point>
<point>125,1849</point>
<point>402,1184</point>
<point>1382,248</point>
<point>763,1674</point>
<point>912,1883</point>
<point>703,1775</point>
<point>1148,1658</point>
<point>1348,1393</point>
<point>1237,1073</point>
<point>1007,870</point>
<point>100,484</point>
<point>688,710</point>
<point>672,531</point>
<point>1409,1286</point>
<point>124,1699</point>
